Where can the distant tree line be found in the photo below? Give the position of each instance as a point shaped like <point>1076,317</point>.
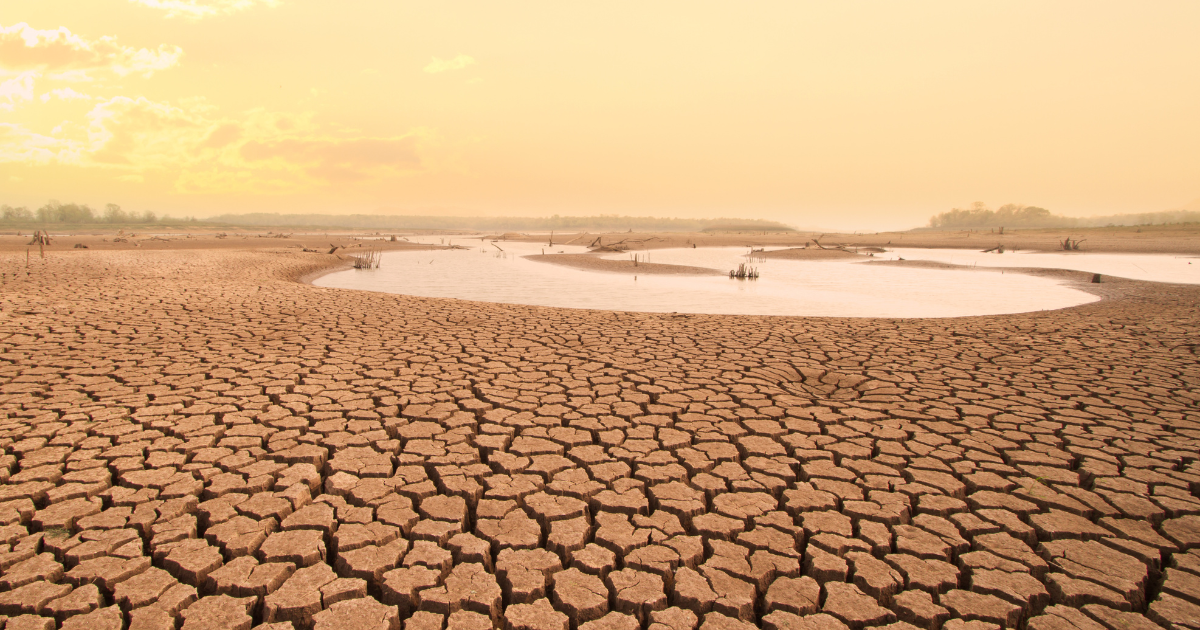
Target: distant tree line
<point>55,212</point>
<point>1016,215</point>
<point>606,222</point>
<point>1008,215</point>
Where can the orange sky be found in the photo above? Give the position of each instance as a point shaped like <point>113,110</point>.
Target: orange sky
<point>848,114</point>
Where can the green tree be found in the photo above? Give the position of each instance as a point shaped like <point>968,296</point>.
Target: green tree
<point>114,214</point>
<point>9,213</point>
<point>55,212</point>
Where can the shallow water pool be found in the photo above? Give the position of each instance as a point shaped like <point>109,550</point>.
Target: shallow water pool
<point>786,287</point>
<point>1152,267</point>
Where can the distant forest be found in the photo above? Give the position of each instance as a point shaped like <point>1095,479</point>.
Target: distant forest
<point>1017,215</point>
<point>77,214</point>
<point>605,222</point>
<point>55,212</point>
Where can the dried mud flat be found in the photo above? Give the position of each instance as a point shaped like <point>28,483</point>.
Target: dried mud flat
<point>197,440</point>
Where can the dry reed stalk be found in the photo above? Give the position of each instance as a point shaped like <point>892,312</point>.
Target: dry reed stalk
<point>368,260</point>
<point>744,272</point>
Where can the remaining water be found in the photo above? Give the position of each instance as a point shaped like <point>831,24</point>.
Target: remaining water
<point>1153,267</point>
<point>787,287</point>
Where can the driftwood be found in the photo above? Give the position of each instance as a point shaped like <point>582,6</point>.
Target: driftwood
<point>621,245</point>
<point>333,248</point>
<point>41,238</point>
<point>839,247</point>
<point>1069,245</point>
<point>999,249</point>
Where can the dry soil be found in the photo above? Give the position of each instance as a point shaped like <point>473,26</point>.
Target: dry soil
<point>197,439</point>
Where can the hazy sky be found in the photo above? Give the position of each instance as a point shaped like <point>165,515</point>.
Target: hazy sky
<point>832,114</point>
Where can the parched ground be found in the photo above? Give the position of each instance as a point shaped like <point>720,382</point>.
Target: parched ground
<point>196,440</point>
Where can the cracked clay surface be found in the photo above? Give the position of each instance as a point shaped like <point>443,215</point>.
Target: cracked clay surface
<point>196,440</point>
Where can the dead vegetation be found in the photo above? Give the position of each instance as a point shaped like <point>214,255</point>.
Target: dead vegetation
<point>844,247</point>
<point>369,259</point>
<point>40,237</point>
<point>1069,245</point>
<point>744,272</point>
<point>622,245</point>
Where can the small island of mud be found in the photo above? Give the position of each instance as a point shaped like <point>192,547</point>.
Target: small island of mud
<point>592,262</point>
<point>808,253</point>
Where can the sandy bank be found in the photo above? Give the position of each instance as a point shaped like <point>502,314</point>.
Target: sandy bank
<point>809,253</point>
<point>1174,239</point>
<point>345,243</point>
<point>593,262</point>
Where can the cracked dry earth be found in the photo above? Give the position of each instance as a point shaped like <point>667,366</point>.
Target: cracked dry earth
<point>197,440</point>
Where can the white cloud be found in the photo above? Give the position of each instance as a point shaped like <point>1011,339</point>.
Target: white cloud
<point>60,50</point>
<point>70,76</point>
<point>15,91</point>
<point>18,144</point>
<point>64,94</point>
<point>443,65</point>
<point>259,152</point>
<point>198,9</point>
<point>141,133</point>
